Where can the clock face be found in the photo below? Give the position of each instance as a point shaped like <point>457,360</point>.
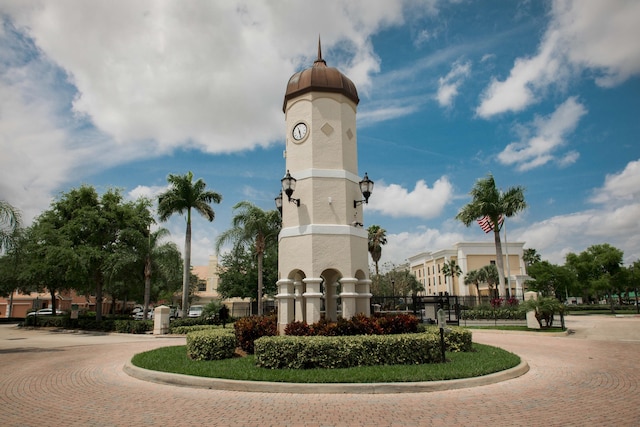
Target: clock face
<point>299,131</point>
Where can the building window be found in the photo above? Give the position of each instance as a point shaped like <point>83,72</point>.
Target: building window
<point>202,286</point>
<point>492,262</point>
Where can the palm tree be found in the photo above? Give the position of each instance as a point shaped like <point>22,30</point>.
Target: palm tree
<point>10,221</point>
<point>451,269</point>
<point>488,201</point>
<point>182,196</point>
<point>531,256</point>
<point>490,275</point>
<point>252,226</point>
<point>377,238</point>
<point>474,277</point>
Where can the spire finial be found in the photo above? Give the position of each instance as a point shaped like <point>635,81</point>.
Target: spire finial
<point>319,60</point>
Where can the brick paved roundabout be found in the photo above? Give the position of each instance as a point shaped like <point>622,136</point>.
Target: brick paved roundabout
<point>590,377</point>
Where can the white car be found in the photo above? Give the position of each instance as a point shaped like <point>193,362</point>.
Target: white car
<point>45,312</point>
<point>139,315</point>
<point>195,311</point>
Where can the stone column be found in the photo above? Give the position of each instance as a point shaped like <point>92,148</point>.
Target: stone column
<point>285,300</point>
<point>299,304</point>
<point>331,301</point>
<point>313,299</point>
<point>532,322</point>
<point>363,303</point>
<point>349,297</point>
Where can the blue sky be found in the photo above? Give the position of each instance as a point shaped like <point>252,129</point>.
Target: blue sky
<point>541,94</point>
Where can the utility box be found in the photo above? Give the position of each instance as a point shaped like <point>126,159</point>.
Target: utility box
<point>161,316</point>
<point>532,322</point>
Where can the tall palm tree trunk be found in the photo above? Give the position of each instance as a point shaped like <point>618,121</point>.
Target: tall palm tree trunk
<point>147,284</point>
<point>186,268</point>
<point>260,261</point>
<point>499,262</point>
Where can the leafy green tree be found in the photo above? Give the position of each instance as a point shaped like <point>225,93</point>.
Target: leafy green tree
<point>550,279</point>
<point>10,222</point>
<point>377,238</point>
<point>69,244</point>
<point>255,228</point>
<point>239,273</point>
<point>488,201</point>
<point>596,269</point>
<point>183,196</point>
<point>451,269</point>
<point>145,258</point>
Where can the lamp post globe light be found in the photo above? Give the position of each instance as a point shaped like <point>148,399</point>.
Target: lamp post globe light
<point>366,188</point>
<point>289,186</point>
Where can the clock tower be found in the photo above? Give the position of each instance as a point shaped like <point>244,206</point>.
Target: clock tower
<point>322,251</point>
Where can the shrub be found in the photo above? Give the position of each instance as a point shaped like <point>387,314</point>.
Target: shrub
<point>357,325</point>
<point>343,352</point>
<point>398,324</point>
<point>299,329</point>
<point>488,313</point>
<point>544,308</point>
<point>212,344</point>
<point>133,326</point>
<point>183,330</point>
<point>249,329</point>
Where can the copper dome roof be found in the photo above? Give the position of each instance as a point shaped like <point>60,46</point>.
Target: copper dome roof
<point>320,78</point>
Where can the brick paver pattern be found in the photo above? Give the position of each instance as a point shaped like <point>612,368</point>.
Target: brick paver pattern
<point>573,381</point>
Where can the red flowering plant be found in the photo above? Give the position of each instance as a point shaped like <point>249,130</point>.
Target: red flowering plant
<point>496,303</point>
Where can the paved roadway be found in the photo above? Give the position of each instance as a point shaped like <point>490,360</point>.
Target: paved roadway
<point>588,378</point>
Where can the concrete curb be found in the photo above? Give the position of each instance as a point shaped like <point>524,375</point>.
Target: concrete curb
<point>342,388</point>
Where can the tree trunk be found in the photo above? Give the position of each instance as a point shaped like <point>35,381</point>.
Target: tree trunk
<point>147,285</point>
<point>53,301</point>
<point>260,260</point>
<point>98,297</point>
<point>187,267</point>
<point>499,262</point>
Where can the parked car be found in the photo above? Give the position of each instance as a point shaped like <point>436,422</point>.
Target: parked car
<point>195,311</point>
<point>140,315</point>
<point>45,312</point>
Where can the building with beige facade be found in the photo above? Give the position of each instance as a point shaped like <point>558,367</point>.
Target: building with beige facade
<point>427,267</point>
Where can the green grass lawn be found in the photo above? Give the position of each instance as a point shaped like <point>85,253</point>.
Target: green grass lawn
<point>482,361</point>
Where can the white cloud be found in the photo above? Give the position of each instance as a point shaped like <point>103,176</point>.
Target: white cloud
<point>147,192</point>
<point>587,34</point>
<point>614,222</point>
<point>621,187</point>
<point>449,84</point>
<point>546,136</point>
<point>421,202</point>
<point>401,246</point>
<point>89,85</point>
<point>156,70</point>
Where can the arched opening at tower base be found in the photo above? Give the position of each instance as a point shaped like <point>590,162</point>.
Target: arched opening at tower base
<point>309,299</point>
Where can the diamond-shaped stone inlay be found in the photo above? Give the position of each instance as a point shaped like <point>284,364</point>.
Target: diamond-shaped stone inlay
<point>349,134</point>
<point>327,129</point>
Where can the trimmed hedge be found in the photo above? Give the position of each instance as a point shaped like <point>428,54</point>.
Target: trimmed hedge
<point>212,344</point>
<point>296,352</point>
<point>183,330</point>
<point>133,326</point>
<point>488,313</point>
